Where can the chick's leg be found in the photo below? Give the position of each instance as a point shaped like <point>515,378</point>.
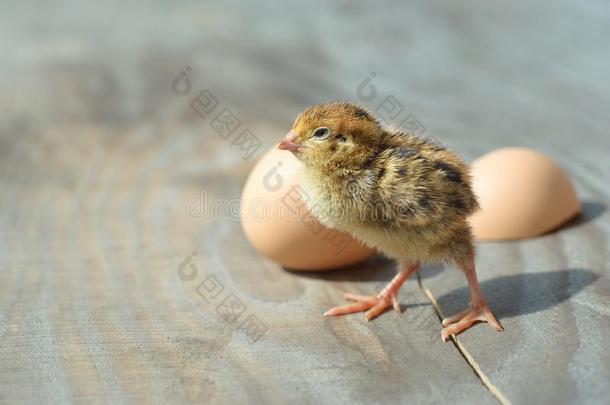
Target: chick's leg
<point>376,304</point>
<point>478,309</point>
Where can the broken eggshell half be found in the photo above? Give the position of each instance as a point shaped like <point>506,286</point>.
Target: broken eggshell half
<point>522,194</point>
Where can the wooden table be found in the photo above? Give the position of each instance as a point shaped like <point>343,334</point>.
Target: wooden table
<point>101,298</point>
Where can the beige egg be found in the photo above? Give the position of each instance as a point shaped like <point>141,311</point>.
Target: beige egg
<point>277,222</point>
<point>522,193</point>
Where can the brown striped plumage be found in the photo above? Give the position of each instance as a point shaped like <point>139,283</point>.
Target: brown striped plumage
<point>374,183</point>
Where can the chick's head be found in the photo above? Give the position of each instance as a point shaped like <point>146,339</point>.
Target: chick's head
<point>328,134</point>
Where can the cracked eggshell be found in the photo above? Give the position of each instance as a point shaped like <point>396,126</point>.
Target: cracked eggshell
<point>522,194</point>
<point>277,222</point>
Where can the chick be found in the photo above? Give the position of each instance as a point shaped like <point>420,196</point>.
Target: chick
<point>405,196</point>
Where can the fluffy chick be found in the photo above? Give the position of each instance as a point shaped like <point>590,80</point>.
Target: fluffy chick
<point>406,196</point>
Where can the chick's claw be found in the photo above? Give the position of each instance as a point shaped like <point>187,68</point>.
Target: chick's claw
<point>463,320</point>
<point>373,305</point>
<point>375,299</point>
<point>376,304</point>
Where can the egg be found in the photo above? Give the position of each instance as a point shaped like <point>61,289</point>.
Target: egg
<point>278,223</point>
<point>522,194</point>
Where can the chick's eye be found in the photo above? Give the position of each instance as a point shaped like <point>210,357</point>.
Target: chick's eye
<point>320,132</point>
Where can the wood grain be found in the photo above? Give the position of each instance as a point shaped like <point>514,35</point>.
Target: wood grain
<point>100,160</point>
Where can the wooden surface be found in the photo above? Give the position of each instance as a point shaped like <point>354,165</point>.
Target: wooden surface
<point>100,161</point>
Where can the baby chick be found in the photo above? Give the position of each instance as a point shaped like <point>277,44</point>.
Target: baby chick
<point>403,195</point>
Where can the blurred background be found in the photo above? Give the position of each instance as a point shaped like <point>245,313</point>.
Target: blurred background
<point>102,150</point>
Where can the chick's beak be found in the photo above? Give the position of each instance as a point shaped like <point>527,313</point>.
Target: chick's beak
<point>288,142</point>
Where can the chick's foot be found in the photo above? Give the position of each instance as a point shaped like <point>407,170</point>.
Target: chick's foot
<point>374,305</point>
<point>463,320</point>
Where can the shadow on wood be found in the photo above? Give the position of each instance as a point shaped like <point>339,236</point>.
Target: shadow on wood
<point>520,294</point>
<point>590,211</point>
<point>376,268</point>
